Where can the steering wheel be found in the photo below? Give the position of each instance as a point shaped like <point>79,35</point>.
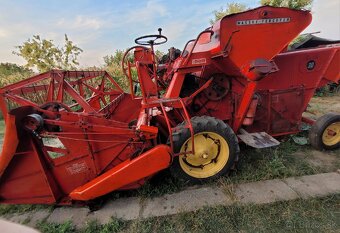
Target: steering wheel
<point>152,39</point>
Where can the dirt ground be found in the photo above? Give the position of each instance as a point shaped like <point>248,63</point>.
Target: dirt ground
<point>319,106</point>
<point>327,161</point>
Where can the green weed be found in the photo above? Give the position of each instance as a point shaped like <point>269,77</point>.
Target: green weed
<point>313,215</point>
<point>66,227</point>
<point>6,209</point>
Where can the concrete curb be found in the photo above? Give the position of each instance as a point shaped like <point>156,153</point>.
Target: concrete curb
<point>261,192</point>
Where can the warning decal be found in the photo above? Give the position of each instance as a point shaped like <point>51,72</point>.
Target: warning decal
<point>77,168</point>
<point>199,61</point>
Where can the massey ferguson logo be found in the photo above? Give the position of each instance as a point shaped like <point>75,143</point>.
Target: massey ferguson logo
<point>262,21</point>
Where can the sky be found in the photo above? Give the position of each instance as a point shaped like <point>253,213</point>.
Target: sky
<point>100,27</point>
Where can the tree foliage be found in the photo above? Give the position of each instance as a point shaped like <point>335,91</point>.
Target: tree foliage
<point>231,8</point>
<point>44,55</point>
<point>11,73</point>
<point>113,65</point>
<point>294,4</point>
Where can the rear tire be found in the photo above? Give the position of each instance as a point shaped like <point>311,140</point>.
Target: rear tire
<point>325,133</point>
<point>216,148</point>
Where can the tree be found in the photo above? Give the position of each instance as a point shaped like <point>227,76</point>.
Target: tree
<point>231,8</point>
<point>11,73</point>
<point>113,65</point>
<point>294,4</point>
<point>44,55</point>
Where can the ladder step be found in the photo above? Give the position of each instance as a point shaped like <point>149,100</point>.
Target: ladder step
<point>258,140</point>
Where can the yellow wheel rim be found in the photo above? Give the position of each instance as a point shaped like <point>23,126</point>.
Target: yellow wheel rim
<point>331,135</point>
<point>211,155</point>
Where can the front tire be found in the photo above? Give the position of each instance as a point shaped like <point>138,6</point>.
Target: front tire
<point>216,148</point>
<point>325,133</point>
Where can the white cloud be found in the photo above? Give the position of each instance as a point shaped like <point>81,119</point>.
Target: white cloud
<point>146,15</point>
<point>326,18</point>
<point>175,29</point>
<point>175,32</point>
<point>101,32</point>
<point>92,57</point>
<point>3,33</point>
<point>81,22</point>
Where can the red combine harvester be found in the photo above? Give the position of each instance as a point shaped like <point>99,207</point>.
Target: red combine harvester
<point>76,135</point>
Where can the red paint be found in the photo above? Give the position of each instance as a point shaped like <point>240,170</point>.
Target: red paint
<point>105,139</point>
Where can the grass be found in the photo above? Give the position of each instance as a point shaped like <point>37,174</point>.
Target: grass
<point>115,225</point>
<point>61,228</point>
<point>2,128</point>
<point>6,209</point>
<point>272,163</point>
<point>254,165</point>
<point>313,215</point>
<point>316,215</point>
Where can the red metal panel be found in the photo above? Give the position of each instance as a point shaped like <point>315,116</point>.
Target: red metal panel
<point>243,107</point>
<point>24,179</point>
<point>125,173</point>
<point>252,35</point>
<point>10,143</point>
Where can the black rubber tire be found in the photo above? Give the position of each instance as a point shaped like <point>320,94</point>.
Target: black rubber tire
<point>204,124</point>
<point>315,133</point>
